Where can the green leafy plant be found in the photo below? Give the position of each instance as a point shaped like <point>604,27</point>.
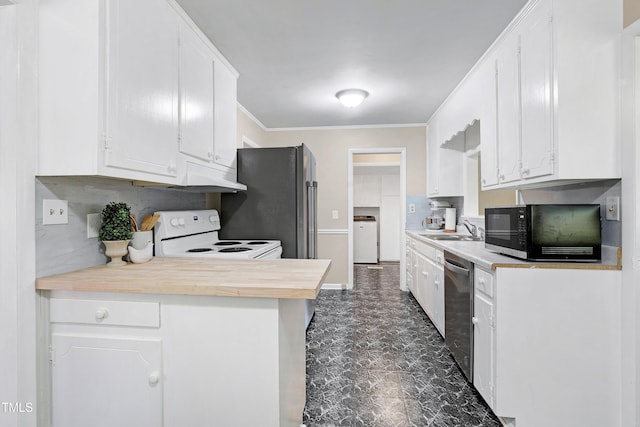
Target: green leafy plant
<point>116,222</point>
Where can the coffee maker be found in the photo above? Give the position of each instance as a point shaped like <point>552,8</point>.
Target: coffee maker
<point>435,221</point>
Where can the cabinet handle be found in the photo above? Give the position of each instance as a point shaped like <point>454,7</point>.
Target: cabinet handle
<point>484,181</point>
<point>425,274</point>
<point>102,313</point>
<point>154,378</point>
<point>501,177</point>
<point>475,320</point>
<point>482,282</point>
<point>526,171</point>
<point>436,283</point>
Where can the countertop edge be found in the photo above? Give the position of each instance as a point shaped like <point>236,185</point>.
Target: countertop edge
<point>492,260</point>
<point>195,277</point>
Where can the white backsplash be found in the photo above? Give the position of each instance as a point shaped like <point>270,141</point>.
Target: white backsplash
<point>65,247</point>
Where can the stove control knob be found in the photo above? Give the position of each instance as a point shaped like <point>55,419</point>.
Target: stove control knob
<point>174,222</point>
<point>212,218</point>
<point>181,222</point>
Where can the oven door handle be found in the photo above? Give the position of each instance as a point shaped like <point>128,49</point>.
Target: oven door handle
<point>454,268</point>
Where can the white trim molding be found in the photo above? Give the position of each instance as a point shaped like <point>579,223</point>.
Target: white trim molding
<point>380,126</point>
<point>334,286</point>
<point>333,231</point>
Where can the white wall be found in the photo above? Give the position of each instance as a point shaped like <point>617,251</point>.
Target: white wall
<point>18,118</point>
<point>630,315</point>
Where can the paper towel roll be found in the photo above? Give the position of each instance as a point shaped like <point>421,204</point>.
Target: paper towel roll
<point>450,219</point>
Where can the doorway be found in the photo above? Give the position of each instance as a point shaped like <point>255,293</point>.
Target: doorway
<point>377,168</point>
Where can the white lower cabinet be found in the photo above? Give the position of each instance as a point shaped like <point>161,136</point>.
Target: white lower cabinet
<point>173,360</point>
<point>426,267</point>
<point>483,336</point>
<point>105,381</point>
<point>547,345</point>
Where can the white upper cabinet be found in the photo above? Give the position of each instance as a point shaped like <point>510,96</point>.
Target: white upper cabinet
<point>444,165</point>
<point>556,104</point>
<point>142,89</point>
<point>546,96</point>
<point>133,90</point>
<point>536,94</point>
<point>196,101</point>
<point>525,99</point>
<point>226,111</point>
<point>508,105</point>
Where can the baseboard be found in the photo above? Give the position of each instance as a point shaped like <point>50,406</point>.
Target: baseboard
<point>334,286</point>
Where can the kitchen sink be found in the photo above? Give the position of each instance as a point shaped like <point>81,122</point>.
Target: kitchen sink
<point>453,237</point>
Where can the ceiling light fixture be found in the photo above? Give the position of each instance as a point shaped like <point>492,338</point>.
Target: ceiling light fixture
<point>352,97</point>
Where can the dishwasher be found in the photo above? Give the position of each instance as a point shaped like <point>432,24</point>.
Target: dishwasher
<point>458,311</point>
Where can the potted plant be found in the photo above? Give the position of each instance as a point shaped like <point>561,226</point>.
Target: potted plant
<point>115,231</point>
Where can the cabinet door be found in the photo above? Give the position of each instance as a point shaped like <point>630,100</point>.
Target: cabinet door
<point>196,96</point>
<point>488,124</point>
<point>422,277</point>
<point>433,158</point>
<point>142,81</point>
<point>508,106</point>
<point>536,93</point>
<point>390,185</point>
<point>366,190</point>
<point>226,112</point>
<point>438,298</point>
<point>390,228</point>
<point>106,382</point>
<point>483,347</point>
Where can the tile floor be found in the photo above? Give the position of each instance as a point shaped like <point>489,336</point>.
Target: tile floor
<point>375,359</point>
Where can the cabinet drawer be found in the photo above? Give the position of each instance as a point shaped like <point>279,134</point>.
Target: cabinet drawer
<point>483,282</point>
<point>98,312</point>
<point>426,250</point>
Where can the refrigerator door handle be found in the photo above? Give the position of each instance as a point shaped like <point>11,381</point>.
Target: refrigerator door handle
<point>312,199</point>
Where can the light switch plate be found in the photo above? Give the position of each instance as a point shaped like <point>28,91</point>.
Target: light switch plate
<point>612,208</point>
<point>334,214</point>
<point>94,221</point>
<point>55,212</point>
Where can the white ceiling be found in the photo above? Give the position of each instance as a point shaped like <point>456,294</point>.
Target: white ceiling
<point>294,55</point>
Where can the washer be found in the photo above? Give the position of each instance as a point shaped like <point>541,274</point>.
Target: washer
<point>365,239</point>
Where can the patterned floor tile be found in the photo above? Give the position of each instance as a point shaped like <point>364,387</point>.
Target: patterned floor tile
<point>375,359</point>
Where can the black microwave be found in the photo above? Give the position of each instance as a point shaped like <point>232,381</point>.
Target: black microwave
<point>545,232</point>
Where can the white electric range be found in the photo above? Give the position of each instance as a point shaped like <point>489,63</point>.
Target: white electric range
<point>195,234</point>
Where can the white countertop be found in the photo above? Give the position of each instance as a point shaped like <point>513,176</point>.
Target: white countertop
<point>475,252</point>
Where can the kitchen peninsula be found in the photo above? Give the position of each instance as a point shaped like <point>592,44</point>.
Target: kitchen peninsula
<point>180,342</point>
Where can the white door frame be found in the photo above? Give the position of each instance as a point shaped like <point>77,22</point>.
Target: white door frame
<point>403,203</point>
<point>19,356</point>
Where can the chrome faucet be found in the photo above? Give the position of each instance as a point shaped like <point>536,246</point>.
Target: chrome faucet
<point>473,229</point>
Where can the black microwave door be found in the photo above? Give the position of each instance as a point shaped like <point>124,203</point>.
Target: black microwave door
<point>565,232</point>
<point>504,228</point>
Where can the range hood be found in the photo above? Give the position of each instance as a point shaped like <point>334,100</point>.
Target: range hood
<point>204,179</point>
<point>201,179</point>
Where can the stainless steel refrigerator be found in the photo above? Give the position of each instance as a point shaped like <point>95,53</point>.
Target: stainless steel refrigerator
<point>279,203</point>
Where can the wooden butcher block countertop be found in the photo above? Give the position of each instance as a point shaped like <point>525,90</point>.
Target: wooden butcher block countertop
<point>276,278</point>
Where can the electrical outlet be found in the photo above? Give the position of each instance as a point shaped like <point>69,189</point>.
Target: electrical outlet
<point>412,208</point>
<point>612,208</point>
<point>94,221</point>
<point>334,214</point>
<point>55,212</point>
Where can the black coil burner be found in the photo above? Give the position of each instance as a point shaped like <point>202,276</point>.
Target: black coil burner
<point>257,243</point>
<point>240,249</point>
<point>199,250</point>
<point>226,243</point>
